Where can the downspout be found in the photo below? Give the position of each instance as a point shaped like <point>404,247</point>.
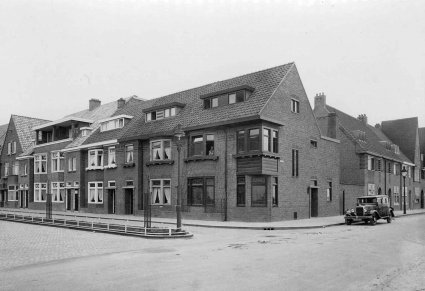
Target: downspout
<point>385,177</point>
<point>225,175</point>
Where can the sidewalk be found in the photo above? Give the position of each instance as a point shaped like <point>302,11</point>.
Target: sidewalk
<point>318,222</point>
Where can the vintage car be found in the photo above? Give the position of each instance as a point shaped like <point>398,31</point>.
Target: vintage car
<point>370,209</point>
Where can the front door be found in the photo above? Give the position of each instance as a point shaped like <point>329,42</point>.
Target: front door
<point>76,200</point>
<point>314,202</point>
<point>68,199</point>
<point>22,198</point>
<point>128,201</point>
<point>111,201</point>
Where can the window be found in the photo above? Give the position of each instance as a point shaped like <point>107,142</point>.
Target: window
<point>58,191</point>
<point>275,191</point>
<point>14,147</point>
<point>160,114</point>
<point>371,163</point>
<point>160,150</point>
<point>111,124</point>
<point>240,191</point>
<point>202,145</point>
<point>295,106</point>
<point>111,184</point>
<point>40,164</point>
<point>6,169</point>
<point>237,97</point>
<point>275,141</point>
<point>266,140</point>
<point>95,159</point>
<point>9,148</point>
<point>295,159</point>
<point>95,192</point>
<point>15,168</point>
<point>200,191</point>
<point>329,192</point>
<point>12,193</point>
<point>25,170</point>
<point>313,143</point>
<point>129,151</point>
<point>371,189</point>
<point>58,161</point>
<point>396,195</point>
<point>241,141</point>
<point>72,164</point>
<point>254,139</point>
<point>258,191</point>
<point>40,192</point>
<point>161,192</point>
<point>111,157</point>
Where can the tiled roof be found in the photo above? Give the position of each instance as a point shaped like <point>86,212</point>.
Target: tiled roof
<point>422,139</point>
<point>3,130</point>
<point>103,111</point>
<point>132,107</point>
<point>194,115</point>
<point>24,127</point>
<point>374,136</point>
<point>403,132</point>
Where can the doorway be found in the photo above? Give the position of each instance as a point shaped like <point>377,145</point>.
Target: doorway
<point>342,202</point>
<point>68,199</point>
<point>111,201</point>
<point>314,206</point>
<point>422,199</point>
<point>128,201</point>
<point>76,200</point>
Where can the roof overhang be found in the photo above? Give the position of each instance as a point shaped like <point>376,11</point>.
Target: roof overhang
<point>67,121</point>
<point>116,117</point>
<point>91,145</point>
<point>164,106</point>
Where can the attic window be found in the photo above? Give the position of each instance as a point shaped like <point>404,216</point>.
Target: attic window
<point>226,99</point>
<point>85,131</point>
<point>114,122</point>
<point>161,114</point>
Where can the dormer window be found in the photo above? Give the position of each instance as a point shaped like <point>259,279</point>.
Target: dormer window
<point>227,97</point>
<point>162,111</point>
<point>114,122</point>
<point>85,131</point>
<point>359,135</point>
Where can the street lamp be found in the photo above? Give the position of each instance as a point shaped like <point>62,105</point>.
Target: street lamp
<point>404,174</point>
<point>178,133</point>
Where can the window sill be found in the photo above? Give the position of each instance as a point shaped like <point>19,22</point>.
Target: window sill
<point>58,171</point>
<point>73,171</point>
<point>110,167</point>
<point>94,168</point>
<point>129,165</point>
<point>159,162</point>
<point>43,173</point>
<point>95,203</point>
<point>201,158</point>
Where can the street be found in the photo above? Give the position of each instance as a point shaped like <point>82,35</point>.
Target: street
<point>356,257</point>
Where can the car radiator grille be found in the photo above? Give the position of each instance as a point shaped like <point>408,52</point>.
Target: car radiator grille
<point>359,211</point>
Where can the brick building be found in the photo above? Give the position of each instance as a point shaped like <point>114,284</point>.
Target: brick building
<point>252,151</point>
<point>405,132</point>
<point>16,177</point>
<point>370,161</point>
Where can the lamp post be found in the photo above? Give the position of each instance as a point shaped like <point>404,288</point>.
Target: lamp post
<point>178,133</point>
<point>404,174</point>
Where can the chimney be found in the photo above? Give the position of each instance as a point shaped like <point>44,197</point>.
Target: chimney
<point>120,103</point>
<point>93,104</point>
<point>331,125</point>
<point>320,101</point>
<point>363,118</point>
<point>377,126</point>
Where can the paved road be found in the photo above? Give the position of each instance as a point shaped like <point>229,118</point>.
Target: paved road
<point>357,257</point>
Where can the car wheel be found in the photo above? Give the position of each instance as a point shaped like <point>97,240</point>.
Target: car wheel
<point>389,219</point>
<point>373,220</point>
<point>348,222</point>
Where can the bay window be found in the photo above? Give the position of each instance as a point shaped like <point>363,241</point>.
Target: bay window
<point>161,191</point>
<point>258,191</point>
<point>254,139</point>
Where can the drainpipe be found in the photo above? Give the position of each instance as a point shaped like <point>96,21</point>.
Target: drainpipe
<point>225,175</point>
<point>385,176</point>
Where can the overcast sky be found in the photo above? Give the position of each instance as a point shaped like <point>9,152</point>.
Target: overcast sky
<point>366,56</point>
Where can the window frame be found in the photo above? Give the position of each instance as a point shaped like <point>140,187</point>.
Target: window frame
<point>162,150</point>
<point>204,187</point>
<point>38,187</point>
<point>112,163</point>
<point>206,149</point>
<point>255,184</point>
<point>126,151</point>
<point>162,194</point>
<point>295,105</point>
<point>40,161</point>
<point>58,188</point>
<point>240,197</point>
<point>295,162</point>
<point>275,191</point>
<point>56,162</point>
<point>329,192</point>
<point>153,115</point>
<point>72,164</point>
<point>98,185</point>
<point>112,124</point>
<point>12,190</point>
<point>6,169</point>
<point>244,142</point>
<point>97,153</point>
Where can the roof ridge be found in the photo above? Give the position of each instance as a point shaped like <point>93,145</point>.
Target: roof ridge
<point>228,79</point>
<point>28,117</point>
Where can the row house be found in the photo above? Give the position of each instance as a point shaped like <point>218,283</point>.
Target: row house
<point>251,151</point>
<point>405,132</point>
<point>55,170</point>
<point>370,159</point>
<point>16,176</point>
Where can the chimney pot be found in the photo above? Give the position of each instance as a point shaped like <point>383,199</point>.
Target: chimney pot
<point>120,103</point>
<point>320,100</point>
<point>363,118</point>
